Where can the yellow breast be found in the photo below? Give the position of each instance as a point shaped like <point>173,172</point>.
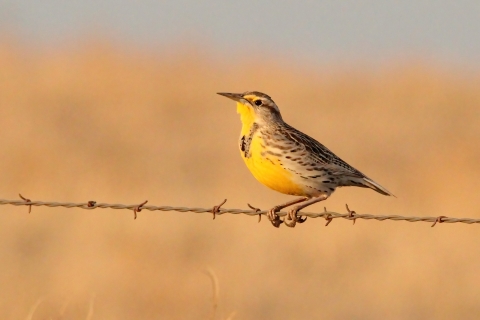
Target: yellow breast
<point>265,167</point>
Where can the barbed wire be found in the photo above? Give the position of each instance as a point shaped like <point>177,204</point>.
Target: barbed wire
<point>217,210</point>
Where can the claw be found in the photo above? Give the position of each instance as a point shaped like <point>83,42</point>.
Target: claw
<point>277,222</point>
<point>290,224</point>
<point>274,218</point>
<point>292,215</point>
<point>301,219</point>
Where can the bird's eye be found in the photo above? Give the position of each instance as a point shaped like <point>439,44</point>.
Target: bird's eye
<point>258,102</point>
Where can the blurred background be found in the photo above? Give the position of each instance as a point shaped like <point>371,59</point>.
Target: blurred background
<point>114,101</point>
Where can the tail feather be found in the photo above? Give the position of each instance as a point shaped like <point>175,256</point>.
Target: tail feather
<point>375,186</point>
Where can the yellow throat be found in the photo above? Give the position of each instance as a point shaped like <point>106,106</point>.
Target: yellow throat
<point>265,167</point>
<point>247,116</point>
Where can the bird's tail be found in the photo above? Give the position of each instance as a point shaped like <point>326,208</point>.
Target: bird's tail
<point>375,186</point>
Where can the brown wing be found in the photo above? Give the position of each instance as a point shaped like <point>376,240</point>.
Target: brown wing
<point>318,152</point>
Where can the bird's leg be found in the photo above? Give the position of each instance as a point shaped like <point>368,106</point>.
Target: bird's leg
<point>292,214</point>
<point>272,213</point>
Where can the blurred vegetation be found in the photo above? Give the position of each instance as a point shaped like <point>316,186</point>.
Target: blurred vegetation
<point>100,122</point>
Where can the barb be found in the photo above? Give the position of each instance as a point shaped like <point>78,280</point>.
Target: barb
<point>328,215</point>
<point>26,200</point>
<point>137,208</point>
<point>216,209</point>
<point>438,220</point>
<point>256,210</point>
<point>352,215</point>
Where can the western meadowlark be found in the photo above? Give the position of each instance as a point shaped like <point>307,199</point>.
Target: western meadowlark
<point>289,161</point>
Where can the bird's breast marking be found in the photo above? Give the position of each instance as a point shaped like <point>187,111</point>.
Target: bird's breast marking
<point>246,140</point>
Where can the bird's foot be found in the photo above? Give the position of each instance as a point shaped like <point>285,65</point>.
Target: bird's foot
<point>292,215</point>
<point>273,217</point>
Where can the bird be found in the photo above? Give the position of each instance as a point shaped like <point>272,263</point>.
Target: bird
<point>288,160</point>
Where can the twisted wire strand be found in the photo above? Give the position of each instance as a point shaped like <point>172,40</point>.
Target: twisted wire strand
<point>216,210</point>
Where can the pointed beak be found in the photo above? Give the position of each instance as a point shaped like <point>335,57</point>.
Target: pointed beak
<point>234,96</point>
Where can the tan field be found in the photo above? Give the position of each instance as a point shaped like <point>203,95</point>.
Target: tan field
<point>99,122</point>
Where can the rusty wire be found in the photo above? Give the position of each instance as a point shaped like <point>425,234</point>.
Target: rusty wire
<point>217,210</point>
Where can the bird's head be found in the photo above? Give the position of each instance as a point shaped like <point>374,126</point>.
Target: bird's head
<point>256,105</point>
